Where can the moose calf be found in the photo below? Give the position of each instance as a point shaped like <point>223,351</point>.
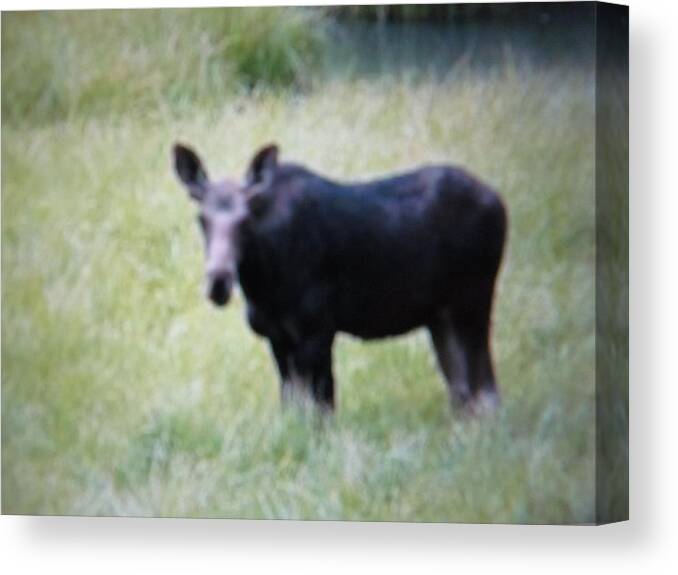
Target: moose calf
<point>315,257</point>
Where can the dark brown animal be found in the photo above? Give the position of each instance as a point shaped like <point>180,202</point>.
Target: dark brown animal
<point>316,257</point>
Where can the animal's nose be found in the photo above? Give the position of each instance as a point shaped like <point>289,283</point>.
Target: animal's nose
<point>219,284</point>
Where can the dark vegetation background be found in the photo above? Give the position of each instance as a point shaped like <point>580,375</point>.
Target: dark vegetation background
<point>125,393</point>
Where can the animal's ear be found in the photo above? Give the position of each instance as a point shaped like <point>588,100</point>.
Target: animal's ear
<point>263,165</point>
<point>190,171</point>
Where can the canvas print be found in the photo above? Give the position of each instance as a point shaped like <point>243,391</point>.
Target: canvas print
<point>327,263</point>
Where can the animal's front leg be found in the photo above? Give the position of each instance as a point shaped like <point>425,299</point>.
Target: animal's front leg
<point>289,382</point>
<point>312,364</point>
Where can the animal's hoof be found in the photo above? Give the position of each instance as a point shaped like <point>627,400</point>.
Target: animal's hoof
<point>485,402</point>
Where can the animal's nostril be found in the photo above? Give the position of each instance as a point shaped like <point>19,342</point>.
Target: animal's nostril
<point>219,289</point>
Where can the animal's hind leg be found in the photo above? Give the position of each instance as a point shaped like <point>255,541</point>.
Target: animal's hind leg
<point>452,360</point>
<point>472,322</point>
<point>481,373</point>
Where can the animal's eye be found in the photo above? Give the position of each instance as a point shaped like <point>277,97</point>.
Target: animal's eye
<point>202,220</point>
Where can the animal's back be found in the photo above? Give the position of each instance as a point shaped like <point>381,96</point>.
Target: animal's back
<point>389,253</point>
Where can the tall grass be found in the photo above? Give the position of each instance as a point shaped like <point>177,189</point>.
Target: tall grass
<point>125,393</point>
<point>56,65</point>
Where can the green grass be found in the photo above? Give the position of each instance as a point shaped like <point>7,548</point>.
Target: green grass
<point>125,393</point>
<point>58,65</point>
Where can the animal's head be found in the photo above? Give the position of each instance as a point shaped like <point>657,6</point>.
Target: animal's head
<point>223,206</point>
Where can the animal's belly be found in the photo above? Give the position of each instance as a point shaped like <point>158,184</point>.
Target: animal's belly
<point>372,318</point>
<point>380,330</point>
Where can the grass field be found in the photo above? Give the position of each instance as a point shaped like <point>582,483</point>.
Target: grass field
<point>124,392</point>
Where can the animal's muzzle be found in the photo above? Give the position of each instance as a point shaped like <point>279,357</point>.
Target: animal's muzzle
<point>219,288</point>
